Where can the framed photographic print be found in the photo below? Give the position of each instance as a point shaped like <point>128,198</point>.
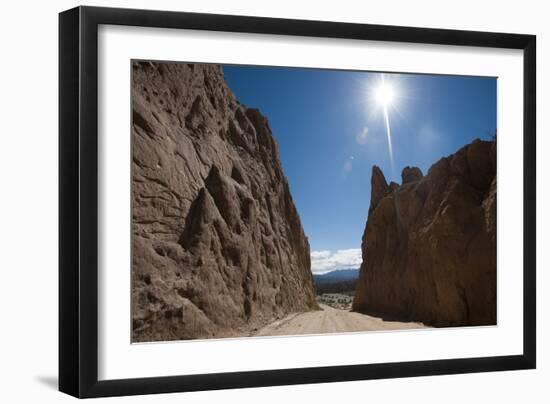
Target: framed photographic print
<point>250,201</point>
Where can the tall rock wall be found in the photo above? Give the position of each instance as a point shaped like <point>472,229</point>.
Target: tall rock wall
<point>429,247</point>
<point>218,247</point>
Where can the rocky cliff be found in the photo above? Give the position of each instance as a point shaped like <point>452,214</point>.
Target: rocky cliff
<point>429,247</point>
<point>218,247</point>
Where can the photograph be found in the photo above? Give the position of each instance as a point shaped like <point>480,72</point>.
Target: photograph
<point>285,201</point>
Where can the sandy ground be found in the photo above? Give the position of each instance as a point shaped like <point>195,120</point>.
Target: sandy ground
<point>329,320</point>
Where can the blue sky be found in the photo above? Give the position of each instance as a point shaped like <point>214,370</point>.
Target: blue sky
<point>331,130</point>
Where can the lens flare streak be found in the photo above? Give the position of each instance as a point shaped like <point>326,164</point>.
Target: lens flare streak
<point>385,97</point>
<point>388,134</point>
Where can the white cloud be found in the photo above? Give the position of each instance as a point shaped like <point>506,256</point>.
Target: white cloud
<point>320,254</point>
<point>326,261</point>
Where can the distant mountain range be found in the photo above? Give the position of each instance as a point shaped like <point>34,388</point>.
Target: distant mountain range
<point>339,275</point>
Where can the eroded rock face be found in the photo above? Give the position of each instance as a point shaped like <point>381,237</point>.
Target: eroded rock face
<point>218,247</point>
<point>429,247</point>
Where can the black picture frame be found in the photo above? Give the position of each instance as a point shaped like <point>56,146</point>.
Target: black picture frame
<point>78,201</point>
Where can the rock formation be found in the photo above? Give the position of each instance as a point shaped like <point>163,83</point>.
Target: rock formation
<point>429,247</point>
<point>218,246</point>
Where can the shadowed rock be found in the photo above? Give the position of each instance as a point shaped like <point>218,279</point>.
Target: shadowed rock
<point>429,247</point>
<point>410,174</point>
<point>379,187</point>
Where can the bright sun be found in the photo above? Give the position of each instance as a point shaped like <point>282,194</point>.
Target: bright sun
<point>385,94</point>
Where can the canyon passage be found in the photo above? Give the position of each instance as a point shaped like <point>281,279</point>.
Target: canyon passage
<point>219,250</point>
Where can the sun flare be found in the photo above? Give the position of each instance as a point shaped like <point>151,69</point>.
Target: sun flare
<point>385,94</point>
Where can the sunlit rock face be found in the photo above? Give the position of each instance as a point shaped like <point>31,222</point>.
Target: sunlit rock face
<point>218,247</point>
<point>429,247</point>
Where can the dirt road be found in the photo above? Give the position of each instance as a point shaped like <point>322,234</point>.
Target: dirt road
<point>329,320</point>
